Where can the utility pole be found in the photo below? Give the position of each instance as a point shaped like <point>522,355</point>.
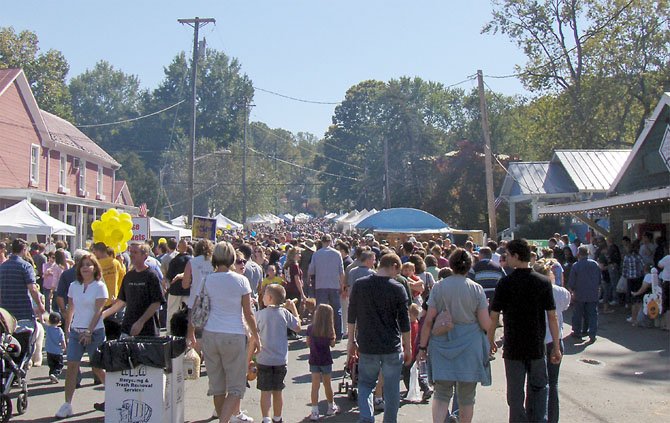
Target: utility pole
<point>277,178</point>
<point>196,24</point>
<point>387,192</point>
<point>488,157</point>
<point>247,112</point>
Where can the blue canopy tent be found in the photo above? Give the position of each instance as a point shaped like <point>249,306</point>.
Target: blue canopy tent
<point>403,220</point>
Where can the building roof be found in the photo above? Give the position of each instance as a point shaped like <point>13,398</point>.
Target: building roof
<point>7,76</point>
<point>654,162</point>
<point>65,134</point>
<point>122,194</point>
<point>536,178</point>
<point>591,170</point>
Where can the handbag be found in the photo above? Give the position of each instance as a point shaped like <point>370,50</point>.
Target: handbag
<point>443,323</point>
<point>201,308</point>
<point>622,285</point>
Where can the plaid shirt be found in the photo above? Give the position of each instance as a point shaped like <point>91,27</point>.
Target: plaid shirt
<point>633,267</point>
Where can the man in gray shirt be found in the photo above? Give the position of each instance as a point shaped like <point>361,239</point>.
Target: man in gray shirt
<point>252,270</point>
<point>362,267</point>
<point>329,283</point>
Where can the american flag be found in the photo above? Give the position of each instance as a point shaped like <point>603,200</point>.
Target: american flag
<point>143,210</point>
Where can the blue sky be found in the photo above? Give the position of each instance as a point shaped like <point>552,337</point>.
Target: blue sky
<point>314,49</point>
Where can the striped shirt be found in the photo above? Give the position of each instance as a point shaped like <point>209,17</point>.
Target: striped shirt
<point>16,275</point>
<point>633,267</point>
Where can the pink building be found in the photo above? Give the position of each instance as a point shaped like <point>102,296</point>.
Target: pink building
<point>49,161</point>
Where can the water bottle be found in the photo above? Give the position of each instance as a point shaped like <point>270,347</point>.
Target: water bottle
<point>423,369</point>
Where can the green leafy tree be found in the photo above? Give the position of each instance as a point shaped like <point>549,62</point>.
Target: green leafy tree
<point>603,62</point>
<point>46,72</point>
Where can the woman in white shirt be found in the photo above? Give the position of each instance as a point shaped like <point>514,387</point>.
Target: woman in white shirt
<point>224,340</point>
<point>86,298</point>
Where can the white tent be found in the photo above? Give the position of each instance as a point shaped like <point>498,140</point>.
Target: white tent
<point>179,221</point>
<point>160,228</point>
<point>302,217</point>
<point>330,216</point>
<point>346,216</point>
<point>26,218</point>
<point>345,224</point>
<point>223,222</point>
<point>288,217</point>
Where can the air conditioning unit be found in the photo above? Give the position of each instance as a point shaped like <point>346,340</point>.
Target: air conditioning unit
<point>76,163</point>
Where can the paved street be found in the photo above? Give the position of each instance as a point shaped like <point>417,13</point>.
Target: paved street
<point>629,380</point>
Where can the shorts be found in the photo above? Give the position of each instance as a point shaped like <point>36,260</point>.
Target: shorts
<point>75,349</point>
<point>226,363</point>
<point>444,390</point>
<point>271,378</point>
<point>324,370</point>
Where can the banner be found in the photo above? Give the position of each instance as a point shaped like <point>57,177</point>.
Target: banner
<point>204,227</point>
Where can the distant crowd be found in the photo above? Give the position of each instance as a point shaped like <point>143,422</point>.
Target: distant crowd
<point>424,311</point>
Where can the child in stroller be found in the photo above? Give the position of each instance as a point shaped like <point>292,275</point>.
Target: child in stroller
<point>17,341</point>
<point>350,387</point>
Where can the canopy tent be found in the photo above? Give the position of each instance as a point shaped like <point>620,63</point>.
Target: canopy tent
<point>25,218</point>
<point>263,219</point>
<point>302,217</point>
<point>350,224</point>
<point>403,220</point>
<point>287,217</point>
<point>179,221</point>
<point>330,216</point>
<point>346,216</point>
<point>223,222</point>
<point>160,228</point>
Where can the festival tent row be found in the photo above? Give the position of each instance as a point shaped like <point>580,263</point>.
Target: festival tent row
<point>302,218</point>
<point>350,222</point>
<point>25,218</point>
<point>263,219</point>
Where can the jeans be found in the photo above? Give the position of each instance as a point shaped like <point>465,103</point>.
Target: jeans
<point>589,312</point>
<point>531,374</point>
<point>368,370</point>
<point>552,375</point>
<point>345,312</point>
<point>332,298</point>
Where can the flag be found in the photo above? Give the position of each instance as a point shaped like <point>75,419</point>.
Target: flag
<point>143,210</point>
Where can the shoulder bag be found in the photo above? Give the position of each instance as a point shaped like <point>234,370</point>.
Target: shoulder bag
<point>201,308</point>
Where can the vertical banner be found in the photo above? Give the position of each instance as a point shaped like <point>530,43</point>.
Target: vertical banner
<point>140,229</point>
<point>204,227</point>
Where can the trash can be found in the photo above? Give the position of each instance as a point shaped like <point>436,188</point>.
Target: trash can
<point>145,379</point>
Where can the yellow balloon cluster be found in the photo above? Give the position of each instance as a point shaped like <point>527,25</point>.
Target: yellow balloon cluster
<point>114,229</point>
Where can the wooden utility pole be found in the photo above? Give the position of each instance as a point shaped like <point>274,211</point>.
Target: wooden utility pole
<point>488,159</point>
<point>196,24</point>
<point>387,192</point>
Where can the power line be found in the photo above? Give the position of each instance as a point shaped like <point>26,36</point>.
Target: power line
<point>130,120</point>
<point>301,100</point>
<point>305,148</point>
<point>301,167</point>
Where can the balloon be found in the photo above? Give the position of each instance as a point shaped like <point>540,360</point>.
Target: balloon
<point>228,226</point>
<point>162,241</point>
<point>126,225</point>
<point>113,221</point>
<point>112,213</point>
<point>253,233</point>
<point>126,216</point>
<point>115,236</point>
<point>95,224</point>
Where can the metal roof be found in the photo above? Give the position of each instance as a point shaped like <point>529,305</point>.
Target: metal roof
<point>536,178</point>
<point>591,170</point>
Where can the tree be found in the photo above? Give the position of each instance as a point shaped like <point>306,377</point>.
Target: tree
<point>104,95</point>
<point>46,72</point>
<point>604,62</point>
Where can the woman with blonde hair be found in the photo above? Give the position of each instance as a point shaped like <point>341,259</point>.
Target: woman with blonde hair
<point>224,341</point>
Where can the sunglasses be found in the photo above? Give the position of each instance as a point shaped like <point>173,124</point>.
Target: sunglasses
<point>240,261</point>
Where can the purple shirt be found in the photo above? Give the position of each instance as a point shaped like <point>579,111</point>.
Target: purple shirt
<point>319,349</point>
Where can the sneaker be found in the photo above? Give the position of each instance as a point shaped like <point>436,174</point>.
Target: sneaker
<point>629,319</point>
<point>332,410</point>
<point>427,394</point>
<point>314,416</point>
<point>64,411</point>
<point>100,406</point>
<point>215,414</point>
<point>241,418</point>
<point>379,404</point>
<point>53,378</point>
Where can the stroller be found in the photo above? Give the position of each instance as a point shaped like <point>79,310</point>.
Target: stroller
<point>17,343</point>
<point>350,387</point>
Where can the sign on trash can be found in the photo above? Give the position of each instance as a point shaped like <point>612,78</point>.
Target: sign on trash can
<point>145,394</point>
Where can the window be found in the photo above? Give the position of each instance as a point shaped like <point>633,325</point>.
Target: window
<point>62,175</point>
<point>82,177</point>
<point>34,164</point>
<point>99,182</point>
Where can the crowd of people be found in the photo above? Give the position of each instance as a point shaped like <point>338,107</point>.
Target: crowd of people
<point>430,304</point>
